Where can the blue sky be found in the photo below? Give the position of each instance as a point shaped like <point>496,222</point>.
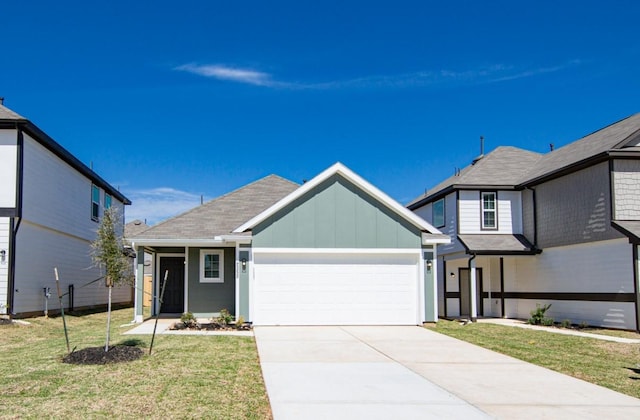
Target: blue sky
<point>174,100</point>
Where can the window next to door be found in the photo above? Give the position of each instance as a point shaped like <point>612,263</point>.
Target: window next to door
<point>211,266</point>
<point>489,211</point>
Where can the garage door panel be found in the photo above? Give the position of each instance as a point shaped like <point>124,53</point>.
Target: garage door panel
<point>335,289</point>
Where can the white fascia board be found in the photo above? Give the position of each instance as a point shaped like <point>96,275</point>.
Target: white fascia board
<point>429,239</point>
<point>236,239</point>
<point>178,242</point>
<point>351,251</point>
<point>339,168</point>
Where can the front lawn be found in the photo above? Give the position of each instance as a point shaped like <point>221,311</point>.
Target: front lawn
<point>612,365</point>
<point>185,377</point>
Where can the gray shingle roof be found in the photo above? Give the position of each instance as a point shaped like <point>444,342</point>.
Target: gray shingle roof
<point>511,166</point>
<point>630,228</point>
<point>135,228</point>
<point>223,214</point>
<point>603,140</point>
<point>496,244</point>
<point>7,114</point>
<point>505,165</point>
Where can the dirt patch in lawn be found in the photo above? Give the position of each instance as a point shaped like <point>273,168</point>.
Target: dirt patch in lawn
<point>97,355</point>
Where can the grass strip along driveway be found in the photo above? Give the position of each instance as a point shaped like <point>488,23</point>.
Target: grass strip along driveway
<point>185,377</point>
<point>612,365</point>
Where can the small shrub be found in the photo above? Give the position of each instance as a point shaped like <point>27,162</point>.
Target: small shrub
<point>583,324</point>
<point>189,320</point>
<point>566,323</point>
<point>187,317</point>
<point>224,319</point>
<point>240,321</point>
<point>537,315</point>
<point>547,322</point>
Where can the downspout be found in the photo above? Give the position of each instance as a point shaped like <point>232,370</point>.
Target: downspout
<point>636,267</point>
<point>472,289</point>
<point>13,226</point>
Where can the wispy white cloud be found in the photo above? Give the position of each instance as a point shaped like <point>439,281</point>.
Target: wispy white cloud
<point>157,204</point>
<point>436,78</point>
<point>221,72</point>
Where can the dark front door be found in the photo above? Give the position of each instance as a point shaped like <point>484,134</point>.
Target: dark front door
<point>173,299</point>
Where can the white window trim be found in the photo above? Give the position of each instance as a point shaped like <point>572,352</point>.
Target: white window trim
<point>220,253</point>
<point>494,210</point>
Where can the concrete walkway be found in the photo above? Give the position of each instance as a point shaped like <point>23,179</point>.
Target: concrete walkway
<point>414,373</point>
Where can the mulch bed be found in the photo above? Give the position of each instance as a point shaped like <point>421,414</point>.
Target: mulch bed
<point>97,355</point>
<point>213,326</point>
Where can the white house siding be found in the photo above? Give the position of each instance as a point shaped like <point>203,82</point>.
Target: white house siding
<point>8,165</point>
<point>56,195</point>
<point>56,230</point>
<point>509,213</point>
<point>490,267</point>
<point>598,267</point>
<point>38,251</point>
<point>626,184</point>
<point>4,266</point>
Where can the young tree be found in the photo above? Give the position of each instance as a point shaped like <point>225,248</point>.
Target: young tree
<point>109,254</point>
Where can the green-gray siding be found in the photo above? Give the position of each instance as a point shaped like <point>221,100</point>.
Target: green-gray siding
<point>206,299</point>
<point>336,214</point>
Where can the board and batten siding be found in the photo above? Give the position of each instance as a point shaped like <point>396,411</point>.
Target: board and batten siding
<point>509,213</point>
<point>597,267</point>
<point>8,168</point>
<point>4,266</point>
<point>336,214</point>
<point>626,187</point>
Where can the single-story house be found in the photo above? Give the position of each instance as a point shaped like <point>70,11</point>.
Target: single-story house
<point>334,251</point>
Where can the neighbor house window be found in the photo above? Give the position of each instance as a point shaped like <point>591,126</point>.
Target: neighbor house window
<point>211,266</point>
<point>95,203</point>
<point>437,216</point>
<point>489,211</point>
<point>107,201</point>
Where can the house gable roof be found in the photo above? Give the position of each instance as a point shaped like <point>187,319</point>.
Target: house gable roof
<point>10,115</point>
<point>504,167</point>
<point>221,215</point>
<point>346,173</point>
<point>11,119</point>
<point>511,167</point>
<point>613,137</point>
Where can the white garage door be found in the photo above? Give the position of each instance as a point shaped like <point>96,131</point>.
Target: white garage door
<point>335,289</point>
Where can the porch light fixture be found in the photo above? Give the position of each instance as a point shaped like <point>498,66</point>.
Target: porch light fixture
<point>429,265</point>
<point>3,256</point>
<point>452,274</point>
<point>244,265</point>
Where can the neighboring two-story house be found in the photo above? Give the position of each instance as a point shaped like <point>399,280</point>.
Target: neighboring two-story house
<point>50,208</point>
<point>528,228</point>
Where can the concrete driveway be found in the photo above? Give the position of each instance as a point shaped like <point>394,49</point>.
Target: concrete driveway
<point>414,373</point>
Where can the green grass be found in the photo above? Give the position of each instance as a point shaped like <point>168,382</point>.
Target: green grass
<point>185,377</point>
<point>612,365</point>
